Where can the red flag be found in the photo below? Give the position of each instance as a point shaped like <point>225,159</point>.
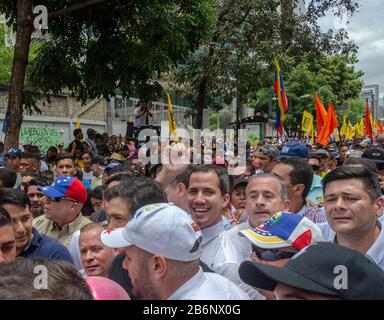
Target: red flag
<point>381,127</point>
<point>321,115</point>
<point>368,125</point>
<point>329,126</point>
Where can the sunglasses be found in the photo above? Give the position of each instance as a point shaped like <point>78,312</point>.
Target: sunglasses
<point>271,254</point>
<point>58,199</point>
<point>380,166</point>
<point>315,167</point>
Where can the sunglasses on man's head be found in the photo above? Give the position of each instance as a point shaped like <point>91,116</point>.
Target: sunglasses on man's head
<point>271,254</point>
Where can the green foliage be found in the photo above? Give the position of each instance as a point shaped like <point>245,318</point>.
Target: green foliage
<point>333,77</point>
<point>247,35</point>
<point>6,57</point>
<point>114,46</point>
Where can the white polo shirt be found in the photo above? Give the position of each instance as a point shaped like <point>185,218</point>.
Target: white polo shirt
<point>375,252</point>
<point>219,253</point>
<point>208,286</point>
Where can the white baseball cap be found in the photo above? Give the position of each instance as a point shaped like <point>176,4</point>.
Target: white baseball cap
<point>160,228</point>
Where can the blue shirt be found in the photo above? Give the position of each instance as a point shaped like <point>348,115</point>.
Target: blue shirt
<point>43,246</point>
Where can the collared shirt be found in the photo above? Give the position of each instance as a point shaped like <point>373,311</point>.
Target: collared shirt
<point>219,253</point>
<point>242,244</point>
<point>315,194</point>
<point>42,246</point>
<point>208,286</point>
<point>64,235</point>
<point>317,215</point>
<point>375,251</point>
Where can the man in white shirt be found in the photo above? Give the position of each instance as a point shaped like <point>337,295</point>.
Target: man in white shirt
<point>353,203</point>
<point>140,113</point>
<point>208,195</point>
<point>266,195</point>
<point>162,245</point>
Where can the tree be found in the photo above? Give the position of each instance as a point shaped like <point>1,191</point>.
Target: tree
<point>6,56</point>
<point>247,35</point>
<point>96,47</point>
<point>333,77</point>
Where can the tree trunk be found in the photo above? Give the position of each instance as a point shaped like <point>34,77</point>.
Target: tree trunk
<point>20,61</point>
<point>201,102</point>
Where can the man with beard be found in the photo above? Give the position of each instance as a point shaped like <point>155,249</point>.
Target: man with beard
<point>35,196</point>
<point>29,242</point>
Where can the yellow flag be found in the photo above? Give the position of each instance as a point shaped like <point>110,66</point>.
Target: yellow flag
<point>344,129</point>
<point>336,134</point>
<point>361,131</point>
<point>307,122</point>
<point>78,124</point>
<point>351,131</point>
<point>171,120</point>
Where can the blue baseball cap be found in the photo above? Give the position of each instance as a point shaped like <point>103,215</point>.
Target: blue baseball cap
<point>111,166</point>
<point>13,152</point>
<point>66,186</point>
<point>294,149</point>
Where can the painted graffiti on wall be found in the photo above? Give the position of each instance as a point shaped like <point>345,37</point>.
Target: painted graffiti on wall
<point>43,137</point>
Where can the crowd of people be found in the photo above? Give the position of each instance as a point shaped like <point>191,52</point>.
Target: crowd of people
<point>296,221</point>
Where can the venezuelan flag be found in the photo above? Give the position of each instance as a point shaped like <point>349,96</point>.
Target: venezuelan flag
<point>281,97</point>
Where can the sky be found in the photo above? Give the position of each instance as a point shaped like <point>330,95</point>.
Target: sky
<point>366,28</point>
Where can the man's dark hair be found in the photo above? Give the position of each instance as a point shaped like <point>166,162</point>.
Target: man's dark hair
<point>48,176</point>
<point>369,179</point>
<point>183,176</point>
<point>84,152</point>
<point>97,193</point>
<point>8,177</point>
<point>137,193</point>
<point>119,177</point>
<point>29,155</point>
<point>63,156</point>
<point>301,172</point>
<point>224,181</point>
<point>250,168</point>
<point>13,196</point>
<point>76,132</point>
<point>5,218</point>
<point>36,182</point>
<point>361,162</point>
<point>64,281</point>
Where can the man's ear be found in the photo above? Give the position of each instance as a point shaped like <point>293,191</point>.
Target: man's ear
<point>226,199</point>
<point>286,204</point>
<point>299,189</point>
<point>181,189</point>
<point>158,267</point>
<point>380,206</point>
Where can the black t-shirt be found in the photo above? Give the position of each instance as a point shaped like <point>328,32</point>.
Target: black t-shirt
<point>120,275</point>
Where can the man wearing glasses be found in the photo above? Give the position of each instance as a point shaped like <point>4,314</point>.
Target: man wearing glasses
<point>29,242</point>
<point>279,238</point>
<point>64,200</point>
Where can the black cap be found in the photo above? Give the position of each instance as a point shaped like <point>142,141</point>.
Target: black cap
<point>374,154</point>
<point>239,181</point>
<point>316,268</point>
